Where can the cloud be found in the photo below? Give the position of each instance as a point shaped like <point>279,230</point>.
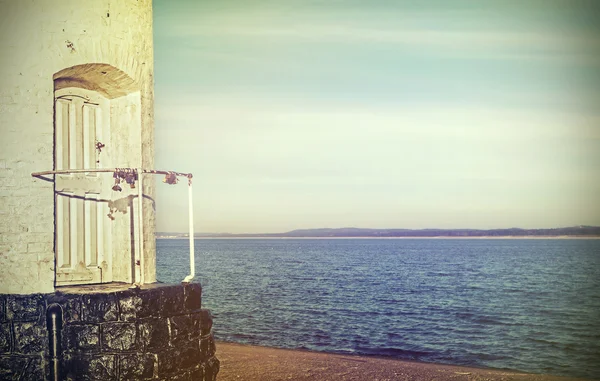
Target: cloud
<point>279,146</point>
<point>242,113</point>
<point>483,41</point>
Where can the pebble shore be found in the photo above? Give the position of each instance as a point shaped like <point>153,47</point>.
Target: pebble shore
<point>249,363</point>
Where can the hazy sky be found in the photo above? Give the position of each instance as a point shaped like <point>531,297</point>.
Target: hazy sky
<point>385,114</point>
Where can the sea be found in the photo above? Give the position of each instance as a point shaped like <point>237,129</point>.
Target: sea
<point>531,305</point>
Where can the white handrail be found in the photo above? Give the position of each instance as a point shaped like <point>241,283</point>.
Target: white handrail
<point>93,170</point>
<point>191,223</point>
<point>141,171</point>
<point>141,224</point>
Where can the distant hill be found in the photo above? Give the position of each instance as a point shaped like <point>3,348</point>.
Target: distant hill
<point>574,231</point>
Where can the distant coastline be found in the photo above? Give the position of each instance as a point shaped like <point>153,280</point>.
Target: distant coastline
<point>439,237</point>
<point>575,232</point>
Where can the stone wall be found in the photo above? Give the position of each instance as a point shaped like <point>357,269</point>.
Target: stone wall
<point>158,332</point>
<point>39,38</point>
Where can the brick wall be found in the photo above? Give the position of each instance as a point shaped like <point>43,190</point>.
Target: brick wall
<point>39,38</point>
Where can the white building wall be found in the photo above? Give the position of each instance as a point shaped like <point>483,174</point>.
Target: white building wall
<point>38,38</point>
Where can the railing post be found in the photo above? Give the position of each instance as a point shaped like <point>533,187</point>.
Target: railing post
<point>191,233</point>
<point>141,224</point>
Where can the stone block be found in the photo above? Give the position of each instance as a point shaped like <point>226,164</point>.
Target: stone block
<point>119,336</point>
<point>185,376</point>
<point>172,301</point>
<point>168,363</point>
<point>211,369</point>
<point>189,356</point>
<point>30,338</point>
<point>11,366</point>
<point>197,374</point>
<point>72,310</point>
<point>98,308</point>
<point>192,296</point>
<point>129,307</point>
<point>3,307</point>
<point>126,335</point>
<point>5,334</point>
<point>82,337</point>
<point>153,333</point>
<point>178,361</point>
<point>207,346</point>
<point>24,307</point>
<point>33,371</point>
<point>138,304</point>
<point>182,328</point>
<point>137,366</point>
<point>151,303</point>
<point>90,368</point>
<point>71,306</point>
<point>202,321</point>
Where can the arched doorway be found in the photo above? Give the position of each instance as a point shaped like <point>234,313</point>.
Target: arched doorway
<point>93,104</point>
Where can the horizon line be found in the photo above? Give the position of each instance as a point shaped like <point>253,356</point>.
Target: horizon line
<point>382,229</point>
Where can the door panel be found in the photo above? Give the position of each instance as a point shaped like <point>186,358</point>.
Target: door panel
<point>81,232</point>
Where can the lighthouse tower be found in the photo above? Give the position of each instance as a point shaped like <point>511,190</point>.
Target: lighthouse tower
<point>79,297</point>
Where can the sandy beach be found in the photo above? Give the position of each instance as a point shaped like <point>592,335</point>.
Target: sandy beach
<point>246,362</point>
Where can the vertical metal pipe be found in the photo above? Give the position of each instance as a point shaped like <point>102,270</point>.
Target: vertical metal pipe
<point>54,347</point>
<point>54,325</point>
<point>141,224</point>
<point>191,223</point>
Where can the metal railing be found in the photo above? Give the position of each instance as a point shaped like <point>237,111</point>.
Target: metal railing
<point>170,178</point>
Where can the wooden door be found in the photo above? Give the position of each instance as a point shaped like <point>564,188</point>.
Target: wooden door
<point>83,247</point>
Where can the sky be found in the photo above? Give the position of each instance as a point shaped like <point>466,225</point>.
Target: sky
<point>299,114</point>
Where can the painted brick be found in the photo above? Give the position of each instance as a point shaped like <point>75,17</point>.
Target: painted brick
<point>35,51</point>
<point>39,247</point>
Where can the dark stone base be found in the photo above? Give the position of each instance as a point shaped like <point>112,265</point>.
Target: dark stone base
<point>110,332</point>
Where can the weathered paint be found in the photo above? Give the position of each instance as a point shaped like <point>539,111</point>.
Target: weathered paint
<point>39,41</point>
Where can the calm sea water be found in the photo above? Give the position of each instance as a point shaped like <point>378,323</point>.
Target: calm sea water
<point>529,305</point>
